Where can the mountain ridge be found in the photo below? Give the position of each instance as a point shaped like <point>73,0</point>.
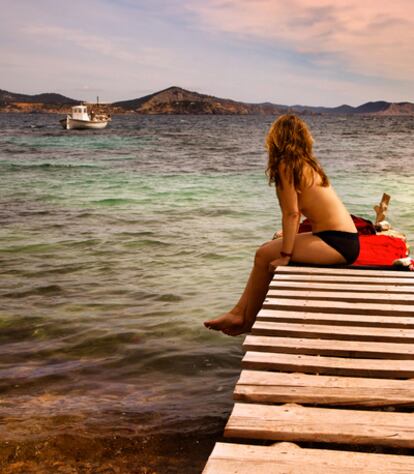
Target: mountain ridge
<point>44,98</point>
<point>176,100</point>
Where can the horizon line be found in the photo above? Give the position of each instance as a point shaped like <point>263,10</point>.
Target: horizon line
<point>215,96</point>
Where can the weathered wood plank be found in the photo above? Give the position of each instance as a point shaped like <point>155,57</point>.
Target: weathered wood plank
<point>288,458</point>
<point>329,347</point>
<point>274,387</point>
<point>294,304</point>
<point>336,287</point>
<point>292,422</point>
<point>378,281</point>
<point>265,328</point>
<point>336,337</point>
<point>344,271</point>
<point>307,364</point>
<point>335,319</point>
<point>312,294</point>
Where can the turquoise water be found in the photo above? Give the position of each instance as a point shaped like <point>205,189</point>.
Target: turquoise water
<point>116,245</point>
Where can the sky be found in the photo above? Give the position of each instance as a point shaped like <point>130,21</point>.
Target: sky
<point>309,52</point>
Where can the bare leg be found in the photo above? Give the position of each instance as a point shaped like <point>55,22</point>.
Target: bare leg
<point>241,305</point>
<point>234,322</point>
<point>308,249</point>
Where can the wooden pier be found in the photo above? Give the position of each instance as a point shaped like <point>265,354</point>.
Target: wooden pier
<point>327,384</point>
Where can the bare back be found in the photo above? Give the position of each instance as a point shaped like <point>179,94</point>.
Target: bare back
<point>322,206</point>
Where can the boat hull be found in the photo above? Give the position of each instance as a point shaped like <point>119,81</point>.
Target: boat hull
<point>69,123</point>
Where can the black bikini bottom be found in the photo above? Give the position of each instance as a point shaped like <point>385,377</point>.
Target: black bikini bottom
<point>346,243</point>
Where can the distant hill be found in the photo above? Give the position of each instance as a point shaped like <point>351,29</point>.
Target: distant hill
<point>175,100</point>
<point>342,109</point>
<point>47,102</point>
<point>393,108</point>
<point>369,108</point>
<point>372,107</point>
<point>46,98</point>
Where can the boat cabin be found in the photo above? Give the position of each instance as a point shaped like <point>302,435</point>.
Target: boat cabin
<point>79,112</point>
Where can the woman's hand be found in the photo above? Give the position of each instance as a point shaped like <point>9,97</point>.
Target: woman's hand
<point>277,234</point>
<point>279,262</point>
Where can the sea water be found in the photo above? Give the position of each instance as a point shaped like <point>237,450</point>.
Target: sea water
<point>116,245</point>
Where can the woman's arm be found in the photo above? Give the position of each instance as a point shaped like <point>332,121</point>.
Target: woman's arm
<point>288,200</point>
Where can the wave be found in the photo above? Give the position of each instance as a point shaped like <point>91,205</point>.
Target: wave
<point>222,212</point>
<point>136,234</point>
<point>214,256</point>
<point>44,166</point>
<point>48,290</point>
<point>29,248</point>
<point>147,242</point>
<point>169,297</point>
<point>115,201</point>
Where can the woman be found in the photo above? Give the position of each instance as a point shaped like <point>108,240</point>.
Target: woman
<point>302,187</point>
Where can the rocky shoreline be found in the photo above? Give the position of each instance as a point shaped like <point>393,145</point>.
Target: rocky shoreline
<point>70,453</point>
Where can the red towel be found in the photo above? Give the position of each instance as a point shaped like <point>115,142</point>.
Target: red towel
<point>380,250</point>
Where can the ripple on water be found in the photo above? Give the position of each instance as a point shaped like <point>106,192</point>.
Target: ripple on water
<point>148,243</point>
<point>48,290</point>
<point>169,297</point>
<point>114,201</point>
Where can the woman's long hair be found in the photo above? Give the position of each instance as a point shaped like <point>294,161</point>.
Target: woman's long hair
<point>289,143</point>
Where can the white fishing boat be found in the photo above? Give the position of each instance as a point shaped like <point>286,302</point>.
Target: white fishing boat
<point>80,119</point>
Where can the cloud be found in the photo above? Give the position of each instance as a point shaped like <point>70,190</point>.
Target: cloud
<point>373,37</point>
<point>109,46</point>
<point>319,52</point>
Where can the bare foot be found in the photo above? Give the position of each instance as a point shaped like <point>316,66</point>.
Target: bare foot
<point>230,323</point>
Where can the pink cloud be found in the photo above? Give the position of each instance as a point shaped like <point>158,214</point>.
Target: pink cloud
<point>369,37</point>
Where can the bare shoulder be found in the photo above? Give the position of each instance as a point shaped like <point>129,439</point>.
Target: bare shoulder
<point>310,178</point>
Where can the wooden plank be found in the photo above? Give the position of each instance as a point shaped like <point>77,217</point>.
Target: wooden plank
<point>344,271</point>
<point>329,347</point>
<point>289,458</point>
<point>274,387</point>
<point>265,328</point>
<point>292,422</point>
<point>307,364</point>
<point>348,279</point>
<point>348,287</point>
<point>377,297</point>
<point>346,307</point>
<point>335,319</point>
